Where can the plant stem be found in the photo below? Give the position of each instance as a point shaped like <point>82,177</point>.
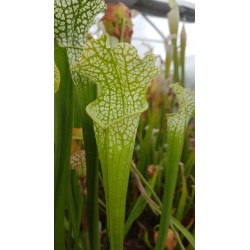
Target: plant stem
<point>63,131</point>
<point>173,21</point>
<point>134,168</point>
<point>182,55</point>
<point>122,30</point>
<point>85,227</point>
<point>169,57</point>
<point>176,63</point>
<point>86,93</point>
<point>177,237</point>
<point>171,172</point>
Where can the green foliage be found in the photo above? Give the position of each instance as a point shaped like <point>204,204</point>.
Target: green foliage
<point>173,21</point>
<point>116,113</point>
<point>183,230</point>
<point>136,210</point>
<point>72,19</point>
<point>85,90</point>
<point>75,204</point>
<point>182,54</point>
<point>106,84</point>
<point>183,198</point>
<point>140,204</point>
<point>177,124</point>
<point>63,125</point>
<point>56,78</point>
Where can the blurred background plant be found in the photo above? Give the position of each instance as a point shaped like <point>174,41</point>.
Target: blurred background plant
<point>117,21</point>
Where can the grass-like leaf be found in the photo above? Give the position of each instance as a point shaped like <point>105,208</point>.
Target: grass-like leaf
<point>177,124</point>
<point>86,93</point>
<point>140,205</point>
<point>63,131</point>
<point>123,79</point>
<point>173,21</point>
<point>75,201</point>
<point>56,78</point>
<point>182,54</point>
<point>183,197</point>
<point>184,231</point>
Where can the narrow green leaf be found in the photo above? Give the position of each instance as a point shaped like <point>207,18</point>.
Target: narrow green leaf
<point>86,92</point>
<point>173,21</point>
<point>184,231</point>
<point>147,185</point>
<point>186,148</point>
<point>75,204</point>
<point>190,163</point>
<point>182,56</point>
<point>123,79</point>
<point>139,205</point>
<point>173,221</point>
<point>169,58</point>
<point>177,237</point>
<point>183,198</point>
<point>146,240</point>
<point>177,124</point>
<point>63,130</point>
<point>56,78</point>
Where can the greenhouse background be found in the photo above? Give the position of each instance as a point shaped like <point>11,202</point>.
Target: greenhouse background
<point>151,30</point>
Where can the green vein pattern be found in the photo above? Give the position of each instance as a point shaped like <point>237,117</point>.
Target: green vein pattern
<point>122,79</point>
